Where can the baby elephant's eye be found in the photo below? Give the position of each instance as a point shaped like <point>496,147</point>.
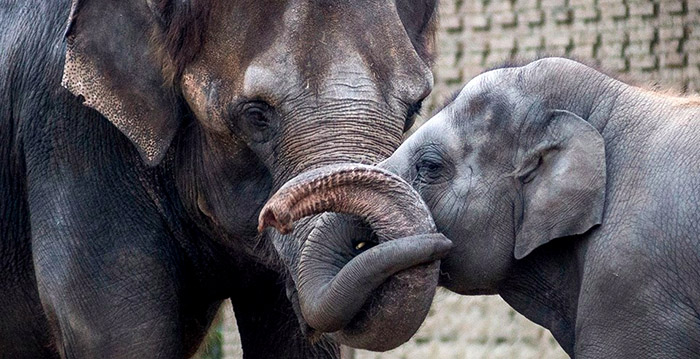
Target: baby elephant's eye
<point>431,166</point>
<point>428,170</point>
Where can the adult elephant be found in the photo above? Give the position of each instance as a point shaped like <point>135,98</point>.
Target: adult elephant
<point>569,193</point>
<point>140,138</point>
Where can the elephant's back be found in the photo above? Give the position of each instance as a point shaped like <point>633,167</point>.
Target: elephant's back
<point>646,253</point>
<point>653,164</point>
<point>671,176</point>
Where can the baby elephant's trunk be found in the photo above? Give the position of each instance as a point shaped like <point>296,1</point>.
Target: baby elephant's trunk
<point>379,298</point>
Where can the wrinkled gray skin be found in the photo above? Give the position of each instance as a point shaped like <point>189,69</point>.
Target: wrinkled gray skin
<point>575,197</point>
<point>139,140</point>
<point>365,278</point>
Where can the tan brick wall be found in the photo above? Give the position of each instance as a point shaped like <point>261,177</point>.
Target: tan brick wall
<point>649,42</point>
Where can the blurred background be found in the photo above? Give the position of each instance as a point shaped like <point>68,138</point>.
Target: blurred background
<point>650,43</point>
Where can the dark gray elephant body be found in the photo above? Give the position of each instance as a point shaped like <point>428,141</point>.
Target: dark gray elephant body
<point>573,196</point>
<point>139,140</point>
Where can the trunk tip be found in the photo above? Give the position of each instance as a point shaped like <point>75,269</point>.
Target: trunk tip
<point>270,218</point>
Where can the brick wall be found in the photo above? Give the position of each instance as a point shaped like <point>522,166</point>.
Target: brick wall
<point>648,42</point>
<point>654,43</point>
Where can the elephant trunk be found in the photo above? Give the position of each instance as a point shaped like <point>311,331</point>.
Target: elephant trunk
<point>383,199</point>
<point>393,282</point>
<point>330,299</point>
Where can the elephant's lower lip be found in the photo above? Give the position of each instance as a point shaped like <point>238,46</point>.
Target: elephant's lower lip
<point>395,310</point>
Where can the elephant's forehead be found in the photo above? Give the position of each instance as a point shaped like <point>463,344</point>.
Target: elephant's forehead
<point>486,102</point>
<point>312,45</point>
<point>440,129</point>
<point>238,33</point>
<point>260,79</point>
<point>495,85</point>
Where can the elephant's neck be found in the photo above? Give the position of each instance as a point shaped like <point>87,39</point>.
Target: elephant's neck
<point>544,287</point>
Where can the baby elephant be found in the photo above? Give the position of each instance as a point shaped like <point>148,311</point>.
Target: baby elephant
<point>573,196</point>
<point>576,198</point>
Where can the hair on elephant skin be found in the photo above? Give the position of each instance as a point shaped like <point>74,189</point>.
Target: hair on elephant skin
<point>139,140</point>
<point>572,195</point>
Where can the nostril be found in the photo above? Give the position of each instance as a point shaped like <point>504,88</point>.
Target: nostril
<point>363,245</point>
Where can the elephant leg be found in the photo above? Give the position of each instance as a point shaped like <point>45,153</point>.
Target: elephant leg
<point>109,291</point>
<point>107,270</point>
<point>19,300</point>
<point>23,327</point>
<point>268,325</point>
<point>628,335</point>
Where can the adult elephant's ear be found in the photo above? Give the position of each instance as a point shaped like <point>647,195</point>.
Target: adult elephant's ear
<point>563,182</point>
<point>111,63</point>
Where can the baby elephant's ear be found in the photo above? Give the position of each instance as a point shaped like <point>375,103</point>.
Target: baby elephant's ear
<point>563,180</point>
<point>111,61</point>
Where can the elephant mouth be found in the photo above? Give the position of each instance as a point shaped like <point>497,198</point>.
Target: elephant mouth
<point>366,294</point>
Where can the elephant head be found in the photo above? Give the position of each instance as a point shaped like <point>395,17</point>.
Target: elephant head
<point>504,169</point>
<point>509,166</point>
<point>237,97</point>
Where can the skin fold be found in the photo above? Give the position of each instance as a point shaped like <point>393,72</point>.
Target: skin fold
<point>570,194</point>
<point>139,140</point>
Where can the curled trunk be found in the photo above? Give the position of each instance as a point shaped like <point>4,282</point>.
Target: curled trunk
<point>384,200</point>
<point>380,296</point>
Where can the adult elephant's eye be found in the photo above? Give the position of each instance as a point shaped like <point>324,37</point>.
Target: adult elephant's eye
<point>255,120</point>
<point>257,114</point>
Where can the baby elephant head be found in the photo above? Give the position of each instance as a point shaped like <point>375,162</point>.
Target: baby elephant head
<point>504,170</point>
